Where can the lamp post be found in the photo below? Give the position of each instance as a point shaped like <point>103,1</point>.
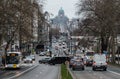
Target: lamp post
<point>50,35</point>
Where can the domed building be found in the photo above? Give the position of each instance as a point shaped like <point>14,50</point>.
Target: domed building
<point>60,21</point>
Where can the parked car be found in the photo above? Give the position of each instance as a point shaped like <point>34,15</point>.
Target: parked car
<point>44,60</point>
<point>99,62</point>
<point>59,60</point>
<point>78,64</point>
<point>28,59</point>
<point>33,57</point>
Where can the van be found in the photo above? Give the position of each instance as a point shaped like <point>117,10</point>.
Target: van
<point>99,62</point>
<point>59,60</point>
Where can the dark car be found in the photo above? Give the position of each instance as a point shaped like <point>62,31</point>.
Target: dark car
<point>89,62</point>
<point>44,60</point>
<point>59,60</point>
<point>78,64</point>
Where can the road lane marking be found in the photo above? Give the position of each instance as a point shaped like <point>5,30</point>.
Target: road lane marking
<point>114,72</point>
<point>15,76</point>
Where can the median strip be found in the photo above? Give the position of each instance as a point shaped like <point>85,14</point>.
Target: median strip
<point>65,74</point>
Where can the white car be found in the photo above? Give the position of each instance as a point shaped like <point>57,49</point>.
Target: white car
<point>42,54</point>
<point>28,59</point>
<point>33,57</point>
<point>99,62</point>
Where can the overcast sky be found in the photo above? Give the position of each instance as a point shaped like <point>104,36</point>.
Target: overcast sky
<point>53,6</point>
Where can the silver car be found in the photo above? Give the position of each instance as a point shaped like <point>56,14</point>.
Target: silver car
<point>28,60</point>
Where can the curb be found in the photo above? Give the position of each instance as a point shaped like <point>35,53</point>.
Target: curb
<point>59,73</point>
<point>72,74</point>
<point>13,77</point>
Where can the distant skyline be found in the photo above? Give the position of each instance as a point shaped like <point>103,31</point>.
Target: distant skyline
<point>53,6</point>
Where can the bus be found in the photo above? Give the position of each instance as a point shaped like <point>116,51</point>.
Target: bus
<point>13,60</point>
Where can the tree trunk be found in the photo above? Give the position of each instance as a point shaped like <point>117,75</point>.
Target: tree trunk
<point>113,50</point>
<point>104,44</point>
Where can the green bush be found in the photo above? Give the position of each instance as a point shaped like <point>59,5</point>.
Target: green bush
<point>65,73</point>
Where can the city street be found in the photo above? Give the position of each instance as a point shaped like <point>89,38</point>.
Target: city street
<point>111,73</point>
<point>44,39</point>
<point>32,71</point>
<point>42,72</point>
<point>9,73</point>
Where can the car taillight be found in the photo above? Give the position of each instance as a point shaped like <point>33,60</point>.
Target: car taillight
<point>74,64</point>
<point>82,64</point>
<point>106,63</point>
<point>94,63</point>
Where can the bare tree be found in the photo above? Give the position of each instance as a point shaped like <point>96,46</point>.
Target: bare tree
<point>104,15</point>
<point>16,20</point>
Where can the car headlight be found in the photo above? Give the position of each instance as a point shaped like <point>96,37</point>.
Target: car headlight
<point>6,65</point>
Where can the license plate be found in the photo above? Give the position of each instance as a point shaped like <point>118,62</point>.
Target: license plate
<point>14,65</point>
<point>98,66</point>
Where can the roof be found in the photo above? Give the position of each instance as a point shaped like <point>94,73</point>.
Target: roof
<point>13,52</point>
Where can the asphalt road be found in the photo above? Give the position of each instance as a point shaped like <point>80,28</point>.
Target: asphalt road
<point>42,72</point>
<point>32,71</point>
<point>4,74</point>
<point>111,73</point>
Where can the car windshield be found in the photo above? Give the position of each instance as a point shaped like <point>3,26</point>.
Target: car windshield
<point>46,58</point>
<point>89,53</point>
<point>28,57</point>
<point>78,62</point>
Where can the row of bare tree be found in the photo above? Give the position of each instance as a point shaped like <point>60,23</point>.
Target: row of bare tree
<point>17,19</point>
<point>102,19</point>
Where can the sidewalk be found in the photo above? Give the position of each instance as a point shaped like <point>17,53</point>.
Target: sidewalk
<point>114,65</point>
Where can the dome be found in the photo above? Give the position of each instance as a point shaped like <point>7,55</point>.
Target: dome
<point>61,12</point>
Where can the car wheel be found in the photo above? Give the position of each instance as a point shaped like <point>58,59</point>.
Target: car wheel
<point>73,68</point>
<point>93,69</point>
<point>53,63</point>
<point>83,68</point>
<point>69,66</point>
<point>105,69</point>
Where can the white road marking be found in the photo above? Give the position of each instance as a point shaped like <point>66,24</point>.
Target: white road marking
<point>22,72</point>
<point>114,72</point>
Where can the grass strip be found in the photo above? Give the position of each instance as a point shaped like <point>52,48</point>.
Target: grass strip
<point>65,73</point>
